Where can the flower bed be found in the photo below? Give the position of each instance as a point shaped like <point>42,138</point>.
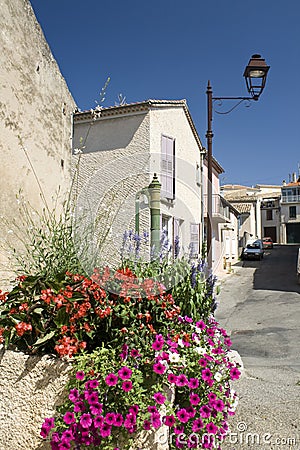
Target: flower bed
<point>147,355</point>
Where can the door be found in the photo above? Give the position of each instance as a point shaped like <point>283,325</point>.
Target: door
<point>270,232</point>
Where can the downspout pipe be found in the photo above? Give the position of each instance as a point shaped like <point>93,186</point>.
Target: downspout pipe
<point>155,191</point>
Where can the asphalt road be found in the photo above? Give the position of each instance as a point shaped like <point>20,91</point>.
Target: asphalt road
<point>259,304</point>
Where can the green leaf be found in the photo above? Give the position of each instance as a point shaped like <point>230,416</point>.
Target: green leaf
<point>62,318</point>
<point>44,339</point>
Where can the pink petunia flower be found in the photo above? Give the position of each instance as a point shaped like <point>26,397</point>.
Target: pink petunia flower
<point>206,374</point>
<point>105,430</point>
<point>235,373</point>
<point>205,411</point>
<point>193,383</point>
<point>80,375</point>
<point>86,420</point>
<point>159,398</point>
<point>197,425</point>
<point>211,428</point>
<point>118,422</point>
<point>182,380</point>
<point>172,378</point>
<point>74,395</point>
<point>157,345</point>
<point>159,368</point>
<point>125,373</point>
<point>98,421</point>
<point>69,418</point>
<point>134,353</point>
<point>111,379</point>
<point>169,420</point>
<point>127,386</point>
<point>182,415</point>
<point>194,399</point>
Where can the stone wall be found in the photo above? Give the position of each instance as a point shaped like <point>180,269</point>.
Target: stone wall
<point>30,388</point>
<point>35,117</point>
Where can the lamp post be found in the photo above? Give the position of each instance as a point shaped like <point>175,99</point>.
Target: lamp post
<point>255,76</point>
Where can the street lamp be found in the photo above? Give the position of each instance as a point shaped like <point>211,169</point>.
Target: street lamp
<point>255,75</point>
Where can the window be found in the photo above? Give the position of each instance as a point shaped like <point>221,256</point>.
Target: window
<point>269,214</point>
<point>292,212</point>
<point>194,239</point>
<point>168,167</point>
<point>198,174</point>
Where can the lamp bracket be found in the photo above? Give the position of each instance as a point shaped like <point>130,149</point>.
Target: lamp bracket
<point>239,101</point>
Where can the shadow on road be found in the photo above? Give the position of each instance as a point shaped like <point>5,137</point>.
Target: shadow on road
<point>277,270</point>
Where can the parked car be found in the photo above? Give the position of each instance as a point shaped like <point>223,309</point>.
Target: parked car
<point>267,242</point>
<point>253,250</point>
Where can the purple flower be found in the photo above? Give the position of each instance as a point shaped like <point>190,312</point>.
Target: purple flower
<point>197,425</point>
<point>111,379</point>
<point>96,408</point>
<point>188,319</point>
<point>152,409</point>
<point>181,380</point>
<point>235,373</point>
<point>156,420</point>
<point>203,362</point>
<point>74,395</point>
<point>172,378</point>
<point>86,420</point>
<point>169,421</point>
<point>98,421</point>
<point>118,422</point>
<point>147,425</point>
<point>205,411</point>
<point>134,409</point>
<point>129,421</point>
<point>92,384</point>
<point>80,375</point>
<point>157,345</point>
<point>69,418</point>
<point>182,415</point>
<point>79,406</point>
<point>201,325</point>
<point>206,374</point>
<point>211,428</point>
<point>127,386</point>
<point>194,399</point>
<point>159,368</point>
<point>105,430</point>
<point>125,373</point>
<point>159,398</point>
<point>134,353</point>
<point>92,398</point>
<point>193,383</point>
<point>110,418</point>
<point>219,405</point>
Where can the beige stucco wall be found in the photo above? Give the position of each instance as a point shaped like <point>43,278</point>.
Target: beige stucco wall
<point>113,167</point>
<point>35,112</point>
<point>30,388</point>
<point>172,122</point>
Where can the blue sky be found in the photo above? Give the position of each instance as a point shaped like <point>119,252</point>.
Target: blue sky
<point>168,49</point>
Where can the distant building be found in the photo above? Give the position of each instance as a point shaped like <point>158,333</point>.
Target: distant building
<point>290,211</point>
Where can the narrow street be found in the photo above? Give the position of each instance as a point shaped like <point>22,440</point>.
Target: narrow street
<point>259,305</point>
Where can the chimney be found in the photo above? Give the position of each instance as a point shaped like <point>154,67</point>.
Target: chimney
<point>294,177</point>
<point>284,183</point>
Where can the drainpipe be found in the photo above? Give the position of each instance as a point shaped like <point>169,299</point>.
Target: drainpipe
<point>154,191</point>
